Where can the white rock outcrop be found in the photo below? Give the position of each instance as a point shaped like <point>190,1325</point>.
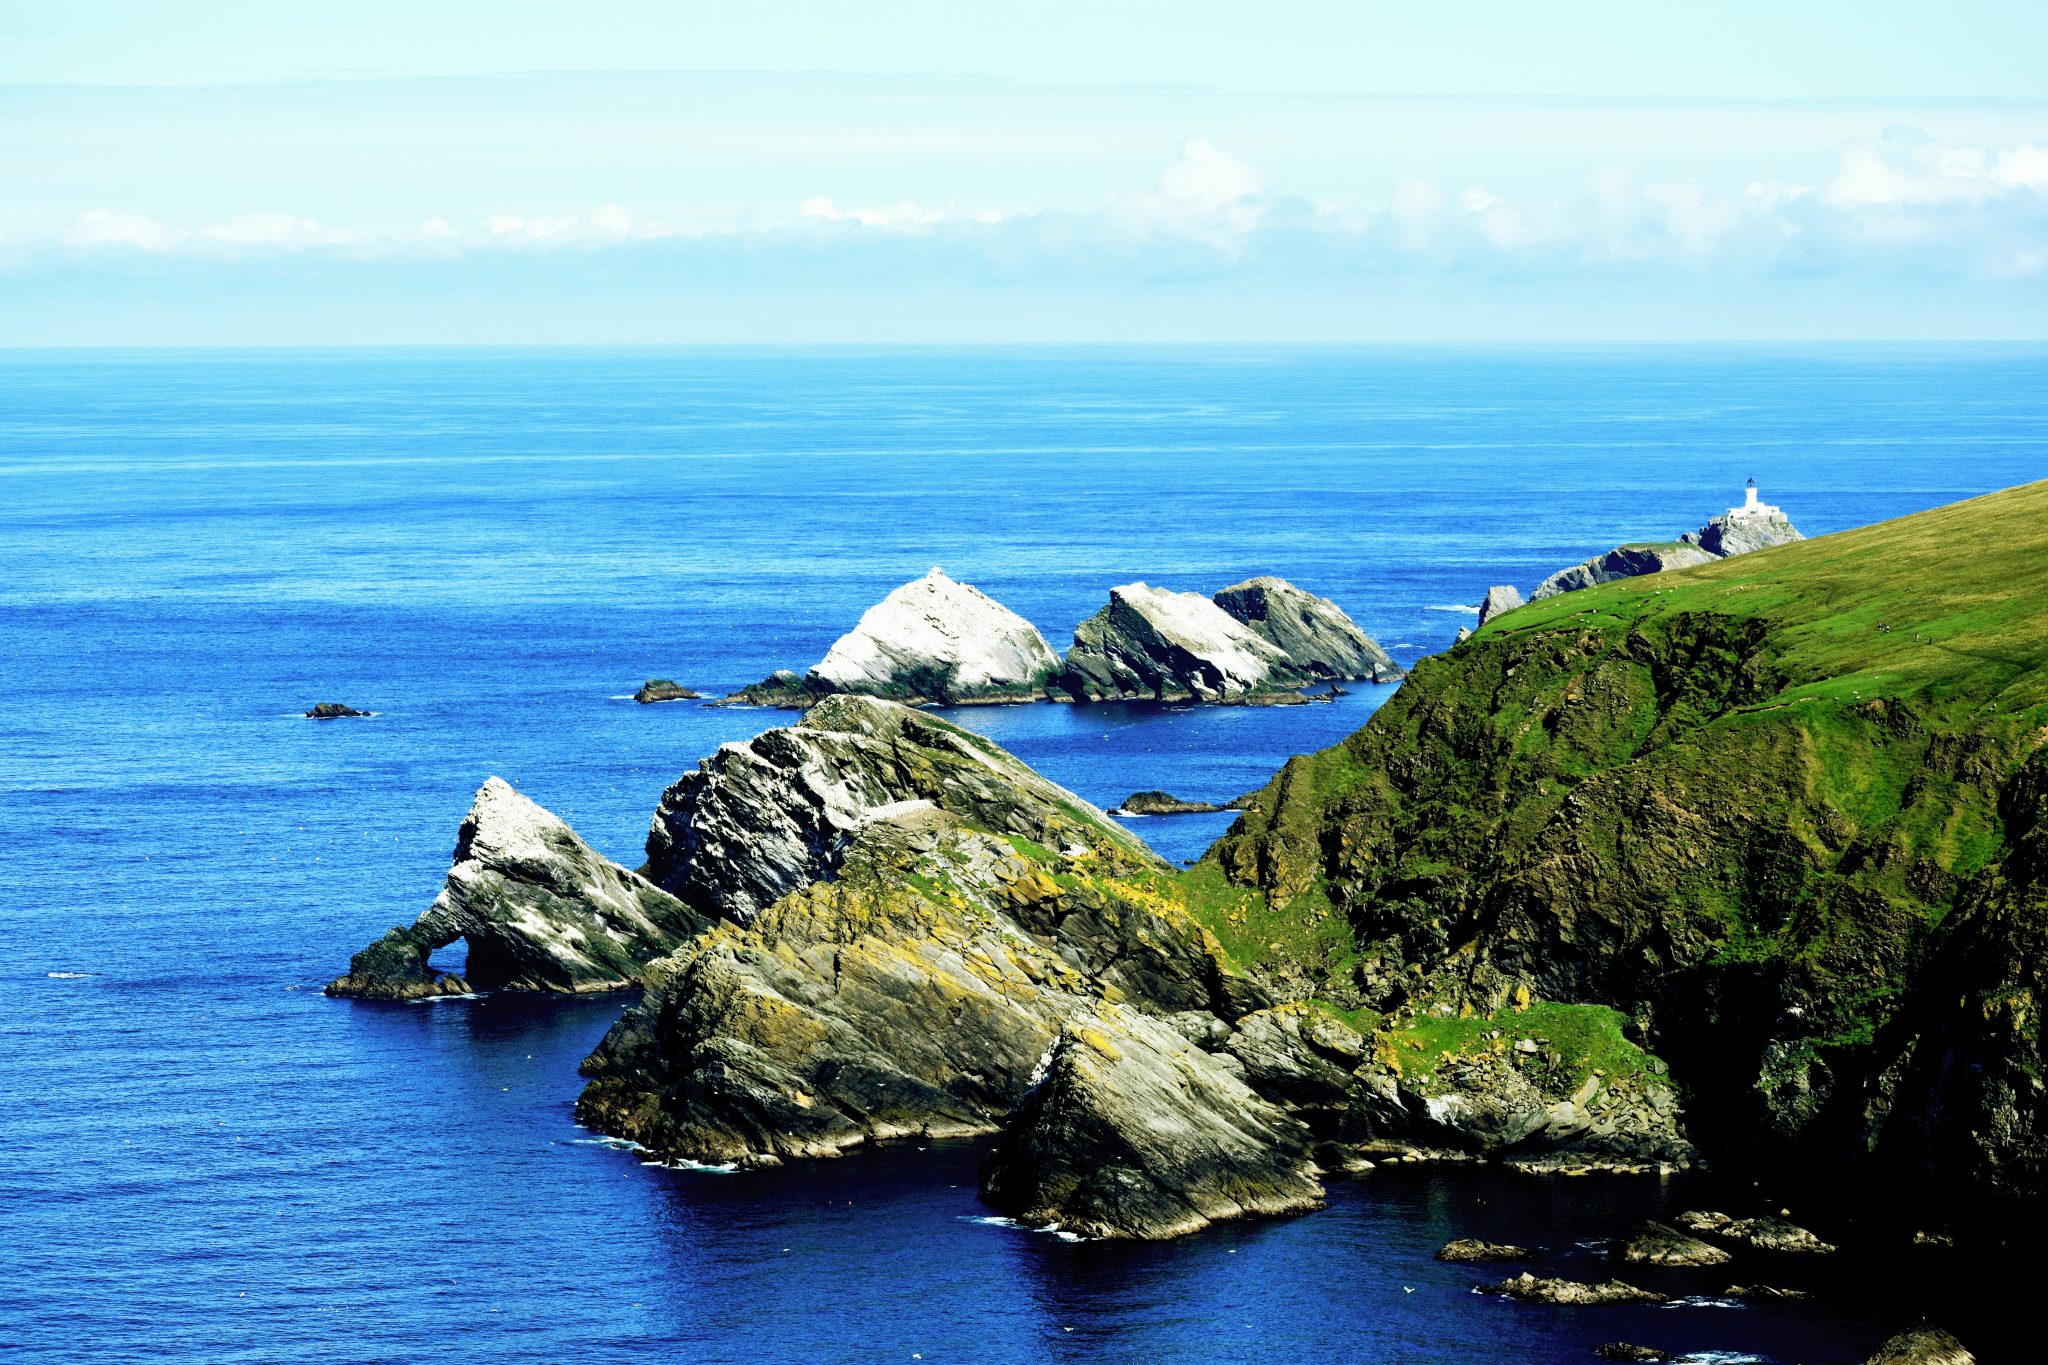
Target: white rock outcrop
<point>931,640</point>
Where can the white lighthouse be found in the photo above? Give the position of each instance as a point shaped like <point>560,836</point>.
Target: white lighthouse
<point>1751,507</point>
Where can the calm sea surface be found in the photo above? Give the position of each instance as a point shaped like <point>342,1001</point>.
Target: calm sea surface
<point>203,1159</point>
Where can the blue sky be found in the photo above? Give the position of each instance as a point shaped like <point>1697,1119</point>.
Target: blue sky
<point>212,173</point>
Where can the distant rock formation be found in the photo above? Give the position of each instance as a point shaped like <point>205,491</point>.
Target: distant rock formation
<point>1472,1249</point>
<point>539,909</point>
<point>1166,803</point>
<point>1314,634</point>
<point>1499,598</point>
<point>1155,644</point>
<point>1740,530</point>
<point>932,640</point>
<point>1656,1244</point>
<point>1531,1289</point>
<point>333,710</point>
<point>664,689</point>
<point>761,819</point>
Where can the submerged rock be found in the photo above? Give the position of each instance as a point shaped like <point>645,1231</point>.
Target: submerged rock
<point>539,909</point>
<point>333,710</point>
<point>1318,640</point>
<point>1530,1289</point>
<point>1622,1350</point>
<point>1656,1244</point>
<point>761,819</point>
<point>664,689</point>
<point>930,641</point>
<point>1922,1346</point>
<point>1134,1132</point>
<point>1499,598</point>
<point>1471,1249</point>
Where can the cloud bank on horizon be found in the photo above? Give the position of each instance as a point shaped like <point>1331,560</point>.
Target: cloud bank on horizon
<point>764,206</point>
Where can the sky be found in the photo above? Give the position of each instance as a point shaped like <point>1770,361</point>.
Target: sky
<point>228,173</point>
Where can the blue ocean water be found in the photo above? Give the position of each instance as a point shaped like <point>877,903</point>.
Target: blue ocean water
<point>203,1159</point>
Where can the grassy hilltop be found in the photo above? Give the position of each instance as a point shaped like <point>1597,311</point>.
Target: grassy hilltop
<point>1787,813</point>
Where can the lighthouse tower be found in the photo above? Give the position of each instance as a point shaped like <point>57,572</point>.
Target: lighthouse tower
<point>1751,507</point>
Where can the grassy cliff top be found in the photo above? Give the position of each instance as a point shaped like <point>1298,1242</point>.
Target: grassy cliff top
<point>1945,605</point>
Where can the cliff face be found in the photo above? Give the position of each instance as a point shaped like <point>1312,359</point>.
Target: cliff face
<point>1738,531</point>
<point>1782,812</point>
<point>1318,640</point>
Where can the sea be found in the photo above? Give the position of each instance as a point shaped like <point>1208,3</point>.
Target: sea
<point>204,1159</point>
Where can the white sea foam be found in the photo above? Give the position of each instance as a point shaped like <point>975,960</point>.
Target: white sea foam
<point>1462,611</point>
<point>700,1167</point>
<point>437,999</point>
<point>1705,1301</point>
<point>1050,1229</point>
<point>67,976</point>
<point>606,1140</point>
<point>1723,1358</point>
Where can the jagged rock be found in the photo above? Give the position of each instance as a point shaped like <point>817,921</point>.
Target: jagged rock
<point>1622,1350</point>
<point>761,819</point>
<point>1922,1346</point>
<point>932,640</point>
<point>664,689</point>
<point>1471,1249</point>
<point>1153,644</point>
<point>1657,1244</point>
<point>914,992</point>
<point>1499,598</point>
<point>1163,803</point>
<point>1764,1292</point>
<point>539,909</point>
<point>1133,1132</point>
<point>332,710</point>
<point>1702,1220</point>
<point>1317,638</point>
<point>1775,1234</point>
<point>1530,1289</point>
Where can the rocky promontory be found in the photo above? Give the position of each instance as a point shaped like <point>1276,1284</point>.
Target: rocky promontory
<point>1261,640</point>
<point>539,909</point>
<point>930,641</point>
<point>1738,531</point>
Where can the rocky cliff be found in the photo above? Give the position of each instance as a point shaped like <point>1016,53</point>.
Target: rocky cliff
<point>1782,813</point>
<point>932,640</point>
<point>537,907</point>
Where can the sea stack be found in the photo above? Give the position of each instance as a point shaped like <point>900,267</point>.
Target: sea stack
<point>1499,598</point>
<point>933,641</point>
<point>1259,641</point>
<point>1318,639</point>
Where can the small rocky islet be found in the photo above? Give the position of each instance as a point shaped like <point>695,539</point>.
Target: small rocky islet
<point>1569,901</point>
<point>938,642</point>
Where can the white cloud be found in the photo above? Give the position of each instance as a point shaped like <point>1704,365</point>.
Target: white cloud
<point>1906,168</point>
<point>103,227</point>
<point>1205,195</point>
<point>275,229</point>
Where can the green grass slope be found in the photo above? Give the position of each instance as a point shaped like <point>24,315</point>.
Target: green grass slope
<point>1776,810</point>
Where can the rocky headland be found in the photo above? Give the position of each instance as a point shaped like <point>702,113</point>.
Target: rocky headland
<point>1738,531</point>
